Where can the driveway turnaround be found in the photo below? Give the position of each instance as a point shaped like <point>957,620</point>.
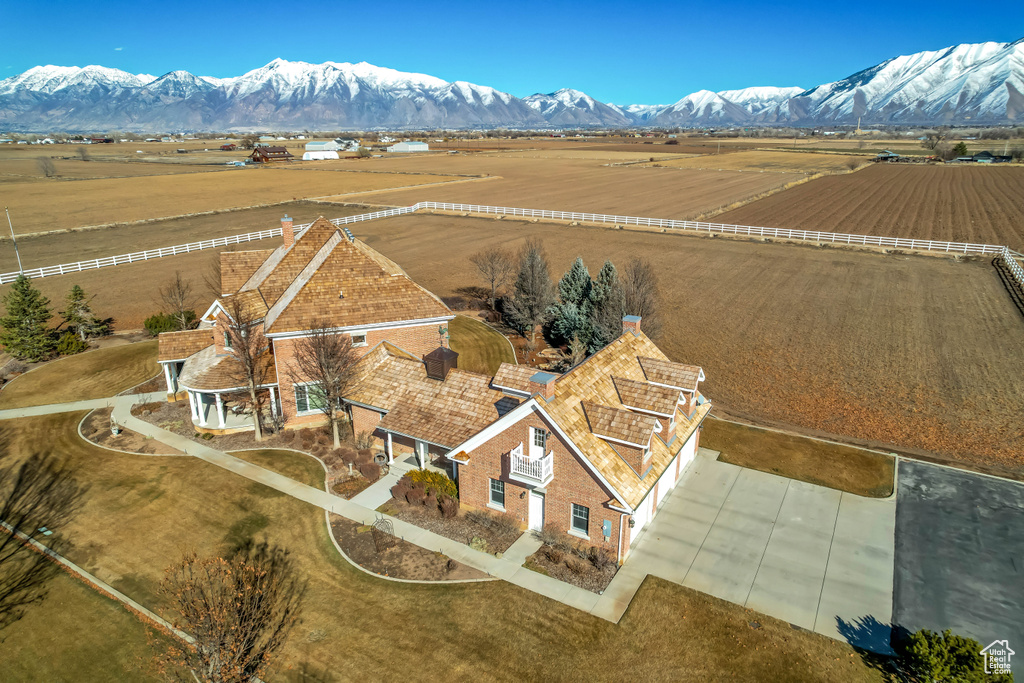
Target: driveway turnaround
<point>818,558</point>
<point>960,555</point>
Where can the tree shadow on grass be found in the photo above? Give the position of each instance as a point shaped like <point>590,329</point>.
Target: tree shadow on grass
<point>873,641</point>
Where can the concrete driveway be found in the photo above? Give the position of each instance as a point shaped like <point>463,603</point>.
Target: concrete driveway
<point>815,557</point>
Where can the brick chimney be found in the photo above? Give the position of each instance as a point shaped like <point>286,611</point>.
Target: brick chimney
<point>631,323</point>
<point>543,383</point>
<point>287,231</point>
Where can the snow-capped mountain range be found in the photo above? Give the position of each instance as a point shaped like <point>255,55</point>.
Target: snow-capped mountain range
<point>973,83</point>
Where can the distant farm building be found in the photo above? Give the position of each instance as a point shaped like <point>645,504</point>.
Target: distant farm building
<point>328,146</point>
<point>229,147</point>
<point>886,155</point>
<point>347,144</point>
<point>319,156</point>
<point>262,155</point>
<point>408,146</point>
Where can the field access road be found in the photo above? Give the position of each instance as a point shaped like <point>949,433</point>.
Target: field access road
<point>960,554</point>
<point>818,558</point>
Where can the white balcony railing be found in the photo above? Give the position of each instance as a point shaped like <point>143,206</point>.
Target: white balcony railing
<point>538,471</point>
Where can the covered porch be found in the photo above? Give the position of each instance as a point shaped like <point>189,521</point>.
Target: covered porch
<point>229,410</point>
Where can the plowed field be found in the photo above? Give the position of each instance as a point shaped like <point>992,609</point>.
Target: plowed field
<point>969,203</point>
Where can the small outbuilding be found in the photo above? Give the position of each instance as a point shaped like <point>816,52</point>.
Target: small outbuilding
<point>886,155</point>
<point>409,146</point>
<point>347,144</point>
<point>262,155</point>
<point>229,147</point>
<point>321,146</point>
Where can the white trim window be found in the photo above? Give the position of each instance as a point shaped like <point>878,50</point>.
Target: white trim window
<point>579,522</point>
<point>306,401</point>
<point>359,339</point>
<point>497,494</point>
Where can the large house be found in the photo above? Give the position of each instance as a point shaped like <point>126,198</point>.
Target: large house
<point>593,451</point>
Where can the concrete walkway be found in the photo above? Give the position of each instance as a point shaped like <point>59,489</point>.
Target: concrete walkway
<point>816,557</point>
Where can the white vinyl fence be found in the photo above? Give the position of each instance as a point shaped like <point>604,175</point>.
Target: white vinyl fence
<point>666,224</point>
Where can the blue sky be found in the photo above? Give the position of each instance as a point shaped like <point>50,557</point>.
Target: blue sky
<point>651,52</point>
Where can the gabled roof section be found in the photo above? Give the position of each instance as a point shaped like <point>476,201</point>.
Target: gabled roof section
<point>352,288</point>
<point>678,375</point>
<point>646,397</point>
<point>210,371</point>
<point>236,267</point>
<point>514,378</point>
<point>180,345</point>
<point>301,281</point>
<point>285,263</point>
<point>621,425</point>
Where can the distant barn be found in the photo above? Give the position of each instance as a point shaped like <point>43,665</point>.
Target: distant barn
<point>408,146</point>
<point>318,146</point>
<point>262,155</point>
<point>319,156</point>
<point>230,147</point>
<point>886,155</point>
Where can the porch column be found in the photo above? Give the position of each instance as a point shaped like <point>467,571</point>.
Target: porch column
<point>391,452</point>
<point>193,411</point>
<point>167,378</point>
<point>418,445</point>
<point>201,409</point>
<point>220,410</point>
<point>174,376</point>
<point>273,402</point>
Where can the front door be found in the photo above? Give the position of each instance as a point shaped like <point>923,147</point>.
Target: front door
<point>536,511</point>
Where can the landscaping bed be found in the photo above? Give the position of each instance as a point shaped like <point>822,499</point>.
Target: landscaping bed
<point>429,500</point>
<point>96,428</point>
<point>570,560</point>
<point>402,560</point>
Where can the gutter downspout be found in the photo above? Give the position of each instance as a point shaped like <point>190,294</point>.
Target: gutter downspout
<point>622,516</point>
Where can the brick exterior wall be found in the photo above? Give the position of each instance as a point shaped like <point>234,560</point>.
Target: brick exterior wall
<point>418,340</point>
<point>572,483</point>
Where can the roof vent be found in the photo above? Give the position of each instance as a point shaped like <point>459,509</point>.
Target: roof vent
<point>348,234</point>
<point>341,293</point>
<point>440,362</point>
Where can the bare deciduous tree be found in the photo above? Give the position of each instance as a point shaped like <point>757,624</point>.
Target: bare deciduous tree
<point>46,166</point>
<point>251,350</point>
<point>533,292</point>
<point>179,301</point>
<point>324,359</point>
<point>83,152</point>
<point>211,276</point>
<point>239,612</point>
<point>36,496</point>
<point>496,267</point>
<point>641,294</point>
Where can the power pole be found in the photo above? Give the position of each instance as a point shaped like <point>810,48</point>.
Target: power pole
<point>13,239</point>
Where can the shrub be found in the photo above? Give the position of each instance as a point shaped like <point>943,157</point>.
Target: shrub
<point>416,496</point>
<point>451,565</point>
<point>930,656</point>
<point>70,344</point>
<point>364,440</point>
<point>575,565</point>
<point>449,506</point>
<point>434,481</point>
<point>554,555</point>
<point>364,456</point>
<point>600,558</point>
<point>430,500</point>
<point>399,490</point>
<point>162,322</point>
<point>477,543</point>
<point>502,524</point>
<point>370,470</point>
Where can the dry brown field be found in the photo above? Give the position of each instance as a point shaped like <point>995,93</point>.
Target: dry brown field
<point>578,185</point>
<point>765,160</point>
<point>921,352</point>
<point>981,204</point>
<point>27,170</point>
<point>38,207</point>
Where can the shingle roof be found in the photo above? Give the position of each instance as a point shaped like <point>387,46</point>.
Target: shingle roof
<point>325,275</point>
<point>443,413</point>
<point>646,397</point>
<point>515,377</point>
<point>181,345</point>
<point>238,266</point>
<point>616,423</point>
<point>592,382</point>
<point>208,371</point>
<point>664,371</point>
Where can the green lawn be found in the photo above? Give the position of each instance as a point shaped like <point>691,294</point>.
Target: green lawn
<point>93,374</point>
<point>142,513</point>
<point>481,348</point>
<point>839,467</point>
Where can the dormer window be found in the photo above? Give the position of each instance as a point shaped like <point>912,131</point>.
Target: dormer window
<point>358,340</point>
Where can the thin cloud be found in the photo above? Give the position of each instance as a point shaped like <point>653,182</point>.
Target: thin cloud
<point>118,49</point>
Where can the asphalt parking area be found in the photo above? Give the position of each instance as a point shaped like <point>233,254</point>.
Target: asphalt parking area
<point>960,555</point>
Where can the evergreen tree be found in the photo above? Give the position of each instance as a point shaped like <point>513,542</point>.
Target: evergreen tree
<point>78,315</point>
<point>533,292</point>
<point>607,304</point>
<point>25,334</point>
<point>571,317</point>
